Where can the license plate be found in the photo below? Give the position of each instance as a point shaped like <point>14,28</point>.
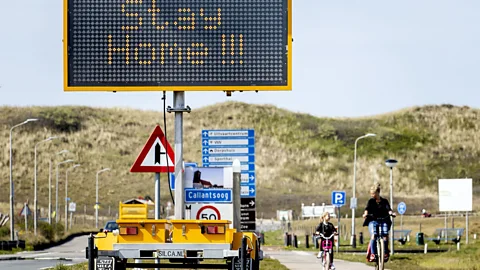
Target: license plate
<point>171,253</point>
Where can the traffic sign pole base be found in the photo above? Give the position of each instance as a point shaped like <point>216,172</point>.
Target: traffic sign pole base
<point>354,241</point>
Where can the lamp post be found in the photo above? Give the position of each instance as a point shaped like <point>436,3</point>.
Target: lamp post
<point>35,185</point>
<point>354,199</point>
<point>391,163</point>
<point>66,194</point>
<point>12,224</point>
<point>96,197</point>
<point>56,189</point>
<point>50,187</point>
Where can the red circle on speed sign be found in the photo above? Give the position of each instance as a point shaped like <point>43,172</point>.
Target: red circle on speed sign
<point>212,208</point>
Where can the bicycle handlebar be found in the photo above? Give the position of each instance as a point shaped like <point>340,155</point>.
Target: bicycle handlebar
<point>324,237</point>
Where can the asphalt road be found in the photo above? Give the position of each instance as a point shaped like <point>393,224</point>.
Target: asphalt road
<point>72,252</point>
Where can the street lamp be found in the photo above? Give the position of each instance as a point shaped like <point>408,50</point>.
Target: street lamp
<point>96,198</point>
<point>35,185</point>
<point>66,194</point>
<point>391,163</point>
<point>12,224</point>
<point>50,187</point>
<point>354,199</point>
<point>56,190</point>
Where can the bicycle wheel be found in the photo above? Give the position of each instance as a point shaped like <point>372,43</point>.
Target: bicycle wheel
<point>381,253</point>
<point>326,259</point>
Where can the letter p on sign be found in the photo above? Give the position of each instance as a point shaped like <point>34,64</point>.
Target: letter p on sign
<point>339,198</point>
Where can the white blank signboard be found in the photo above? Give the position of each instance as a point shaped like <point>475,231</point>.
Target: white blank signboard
<point>455,195</point>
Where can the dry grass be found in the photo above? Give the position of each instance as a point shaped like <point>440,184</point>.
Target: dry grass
<point>298,157</point>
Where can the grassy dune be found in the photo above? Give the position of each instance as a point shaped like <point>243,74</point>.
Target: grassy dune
<point>299,157</point>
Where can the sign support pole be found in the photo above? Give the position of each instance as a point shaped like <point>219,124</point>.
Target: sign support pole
<point>338,236</point>
<point>466,227</point>
<point>179,109</point>
<point>157,196</point>
<point>157,200</point>
<point>401,222</point>
<point>236,195</point>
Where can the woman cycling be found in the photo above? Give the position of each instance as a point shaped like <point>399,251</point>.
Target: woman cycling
<point>377,207</point>
<point>327,229</point>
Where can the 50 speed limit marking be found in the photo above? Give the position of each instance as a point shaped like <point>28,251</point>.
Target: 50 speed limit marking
<point>209,212</point>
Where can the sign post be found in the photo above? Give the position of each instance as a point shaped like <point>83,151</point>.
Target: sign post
<point>402,207</point>
<point>156,156</point>
<point>339,199</point>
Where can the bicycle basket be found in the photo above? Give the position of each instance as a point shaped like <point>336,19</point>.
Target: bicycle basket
<point>327,244</point>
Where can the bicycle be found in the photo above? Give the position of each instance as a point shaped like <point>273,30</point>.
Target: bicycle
<point>327,253</point>
<point>379,242</point>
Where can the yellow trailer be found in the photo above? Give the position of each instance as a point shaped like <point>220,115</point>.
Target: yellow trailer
<point>172,244</point>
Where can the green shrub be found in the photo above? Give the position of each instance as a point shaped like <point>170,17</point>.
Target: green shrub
<point>46,230</point>
<point>4,231</point>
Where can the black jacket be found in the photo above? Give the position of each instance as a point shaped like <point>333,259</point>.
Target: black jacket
<point>378,210</point>
<point>326,229</point>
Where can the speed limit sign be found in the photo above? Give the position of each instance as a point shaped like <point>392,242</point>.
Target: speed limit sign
<point>209,212</point>
<point>212,211</point>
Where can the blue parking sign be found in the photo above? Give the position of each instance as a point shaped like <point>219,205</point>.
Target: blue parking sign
<point>339,198</point>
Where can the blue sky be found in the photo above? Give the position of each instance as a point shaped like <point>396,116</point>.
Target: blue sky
<point>350,58</point>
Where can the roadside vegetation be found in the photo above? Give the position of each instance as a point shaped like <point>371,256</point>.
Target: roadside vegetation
<point>299,157</point>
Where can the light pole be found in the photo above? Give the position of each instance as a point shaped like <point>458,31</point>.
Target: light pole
<point>391,163</point>
<point>56,190</point>
<point>35,186</point>
<point>12,224</point>
<point>354,199</point>
<point>50,187</point>
<point>97,204</point>
<point>66,194</point>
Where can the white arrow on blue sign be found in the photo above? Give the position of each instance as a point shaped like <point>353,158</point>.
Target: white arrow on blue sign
<point>248,191</point>
<point>339,198</point>
<point>402,208</point>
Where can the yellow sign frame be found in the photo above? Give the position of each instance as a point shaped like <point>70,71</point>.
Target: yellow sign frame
<point>68,88</point>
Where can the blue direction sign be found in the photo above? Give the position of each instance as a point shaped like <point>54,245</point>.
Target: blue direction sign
<point>172,175</point>
<point>402,208</point>
<point>248,190</point>
<point>210,195</point>
<point>221,147</point>
<point>339,198</point>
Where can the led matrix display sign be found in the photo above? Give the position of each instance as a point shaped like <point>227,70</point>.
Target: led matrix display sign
<point>142,45</point>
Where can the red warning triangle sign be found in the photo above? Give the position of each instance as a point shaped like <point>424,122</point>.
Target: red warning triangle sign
<point>157,155</point>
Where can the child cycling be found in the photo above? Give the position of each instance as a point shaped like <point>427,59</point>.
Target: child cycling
<point>377,207</point>
<point>327,229</point>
